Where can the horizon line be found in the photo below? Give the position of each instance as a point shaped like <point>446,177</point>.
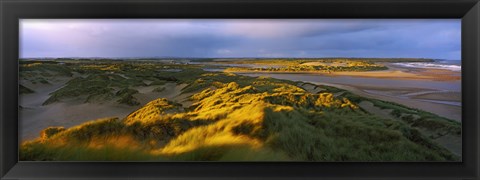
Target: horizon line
<point>179,57</point>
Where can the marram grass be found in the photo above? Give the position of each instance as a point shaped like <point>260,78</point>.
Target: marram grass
<point>235,118</point>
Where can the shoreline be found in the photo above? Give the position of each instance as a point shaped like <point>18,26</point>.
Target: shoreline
<point>450,111</point>
<point>386,74</point>
<point>445,110</point>
<point>393,72</point>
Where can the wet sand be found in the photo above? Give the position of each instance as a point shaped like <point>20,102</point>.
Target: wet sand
<point>410,73</point>
<point>427,95</point>
<point>440,75</point>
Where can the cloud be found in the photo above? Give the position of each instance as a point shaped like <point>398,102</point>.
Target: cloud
<point>430,38</point>
<point>292,28</point>
<point>224,51</point>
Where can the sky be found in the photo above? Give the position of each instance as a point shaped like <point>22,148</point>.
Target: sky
<point>270,38</point>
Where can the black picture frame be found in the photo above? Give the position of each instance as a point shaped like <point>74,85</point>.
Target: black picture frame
<point>13,10</point>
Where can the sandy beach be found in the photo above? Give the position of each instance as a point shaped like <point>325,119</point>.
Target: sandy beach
<point>393,72</point>
<point>437,75</point>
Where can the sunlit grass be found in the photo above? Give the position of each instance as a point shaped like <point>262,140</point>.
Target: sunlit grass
<point>234,118</point>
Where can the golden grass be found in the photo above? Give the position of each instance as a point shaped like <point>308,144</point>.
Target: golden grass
<point>153,111</point>
<point>264,120</point>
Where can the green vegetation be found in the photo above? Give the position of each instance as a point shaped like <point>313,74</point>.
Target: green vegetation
<point>338,65</point>
<point>43,68</point>
<point>294,60</point>
<point>126,96</point>
<point>90,88</point>
<point>231,117</point>
<point>42,72</point>
<point>240,118</point>
<point>433,124</point>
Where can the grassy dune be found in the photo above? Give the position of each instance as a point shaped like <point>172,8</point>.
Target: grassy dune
<point>311,65</point>
<point>233,118</point>
<point>315,66</point>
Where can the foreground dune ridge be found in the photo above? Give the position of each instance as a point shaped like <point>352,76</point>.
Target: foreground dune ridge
<point>231,122</point>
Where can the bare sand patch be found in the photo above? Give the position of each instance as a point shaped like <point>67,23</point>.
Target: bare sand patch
<point>170,92</point>
<point>395,74</point>
<point>34,117</point>
<point>184,99</point>
<point>452,143</point>
<point>414,93</point>
<point>386,74</point>
<point>311,88</point>
<point>398,72</point>
<point>41,91</point>
<point>392,91</point>
<point>33,120</point>
<point>147,81</point>
<point>369,107</point>
<point>444,110</point>
<point>441,96</point>
<point>386,90</point>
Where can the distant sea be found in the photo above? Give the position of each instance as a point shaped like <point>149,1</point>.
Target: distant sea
<point>454,65</point>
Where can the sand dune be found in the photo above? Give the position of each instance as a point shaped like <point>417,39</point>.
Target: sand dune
<point>33,120</point>
<point>34,117</point>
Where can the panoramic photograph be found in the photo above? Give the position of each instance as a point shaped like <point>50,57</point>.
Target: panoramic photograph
<point>306,90</point>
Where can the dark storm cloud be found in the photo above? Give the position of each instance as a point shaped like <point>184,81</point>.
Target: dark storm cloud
<point>241,38</point>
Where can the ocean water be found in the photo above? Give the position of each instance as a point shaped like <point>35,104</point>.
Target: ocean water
<point>454,65</point>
